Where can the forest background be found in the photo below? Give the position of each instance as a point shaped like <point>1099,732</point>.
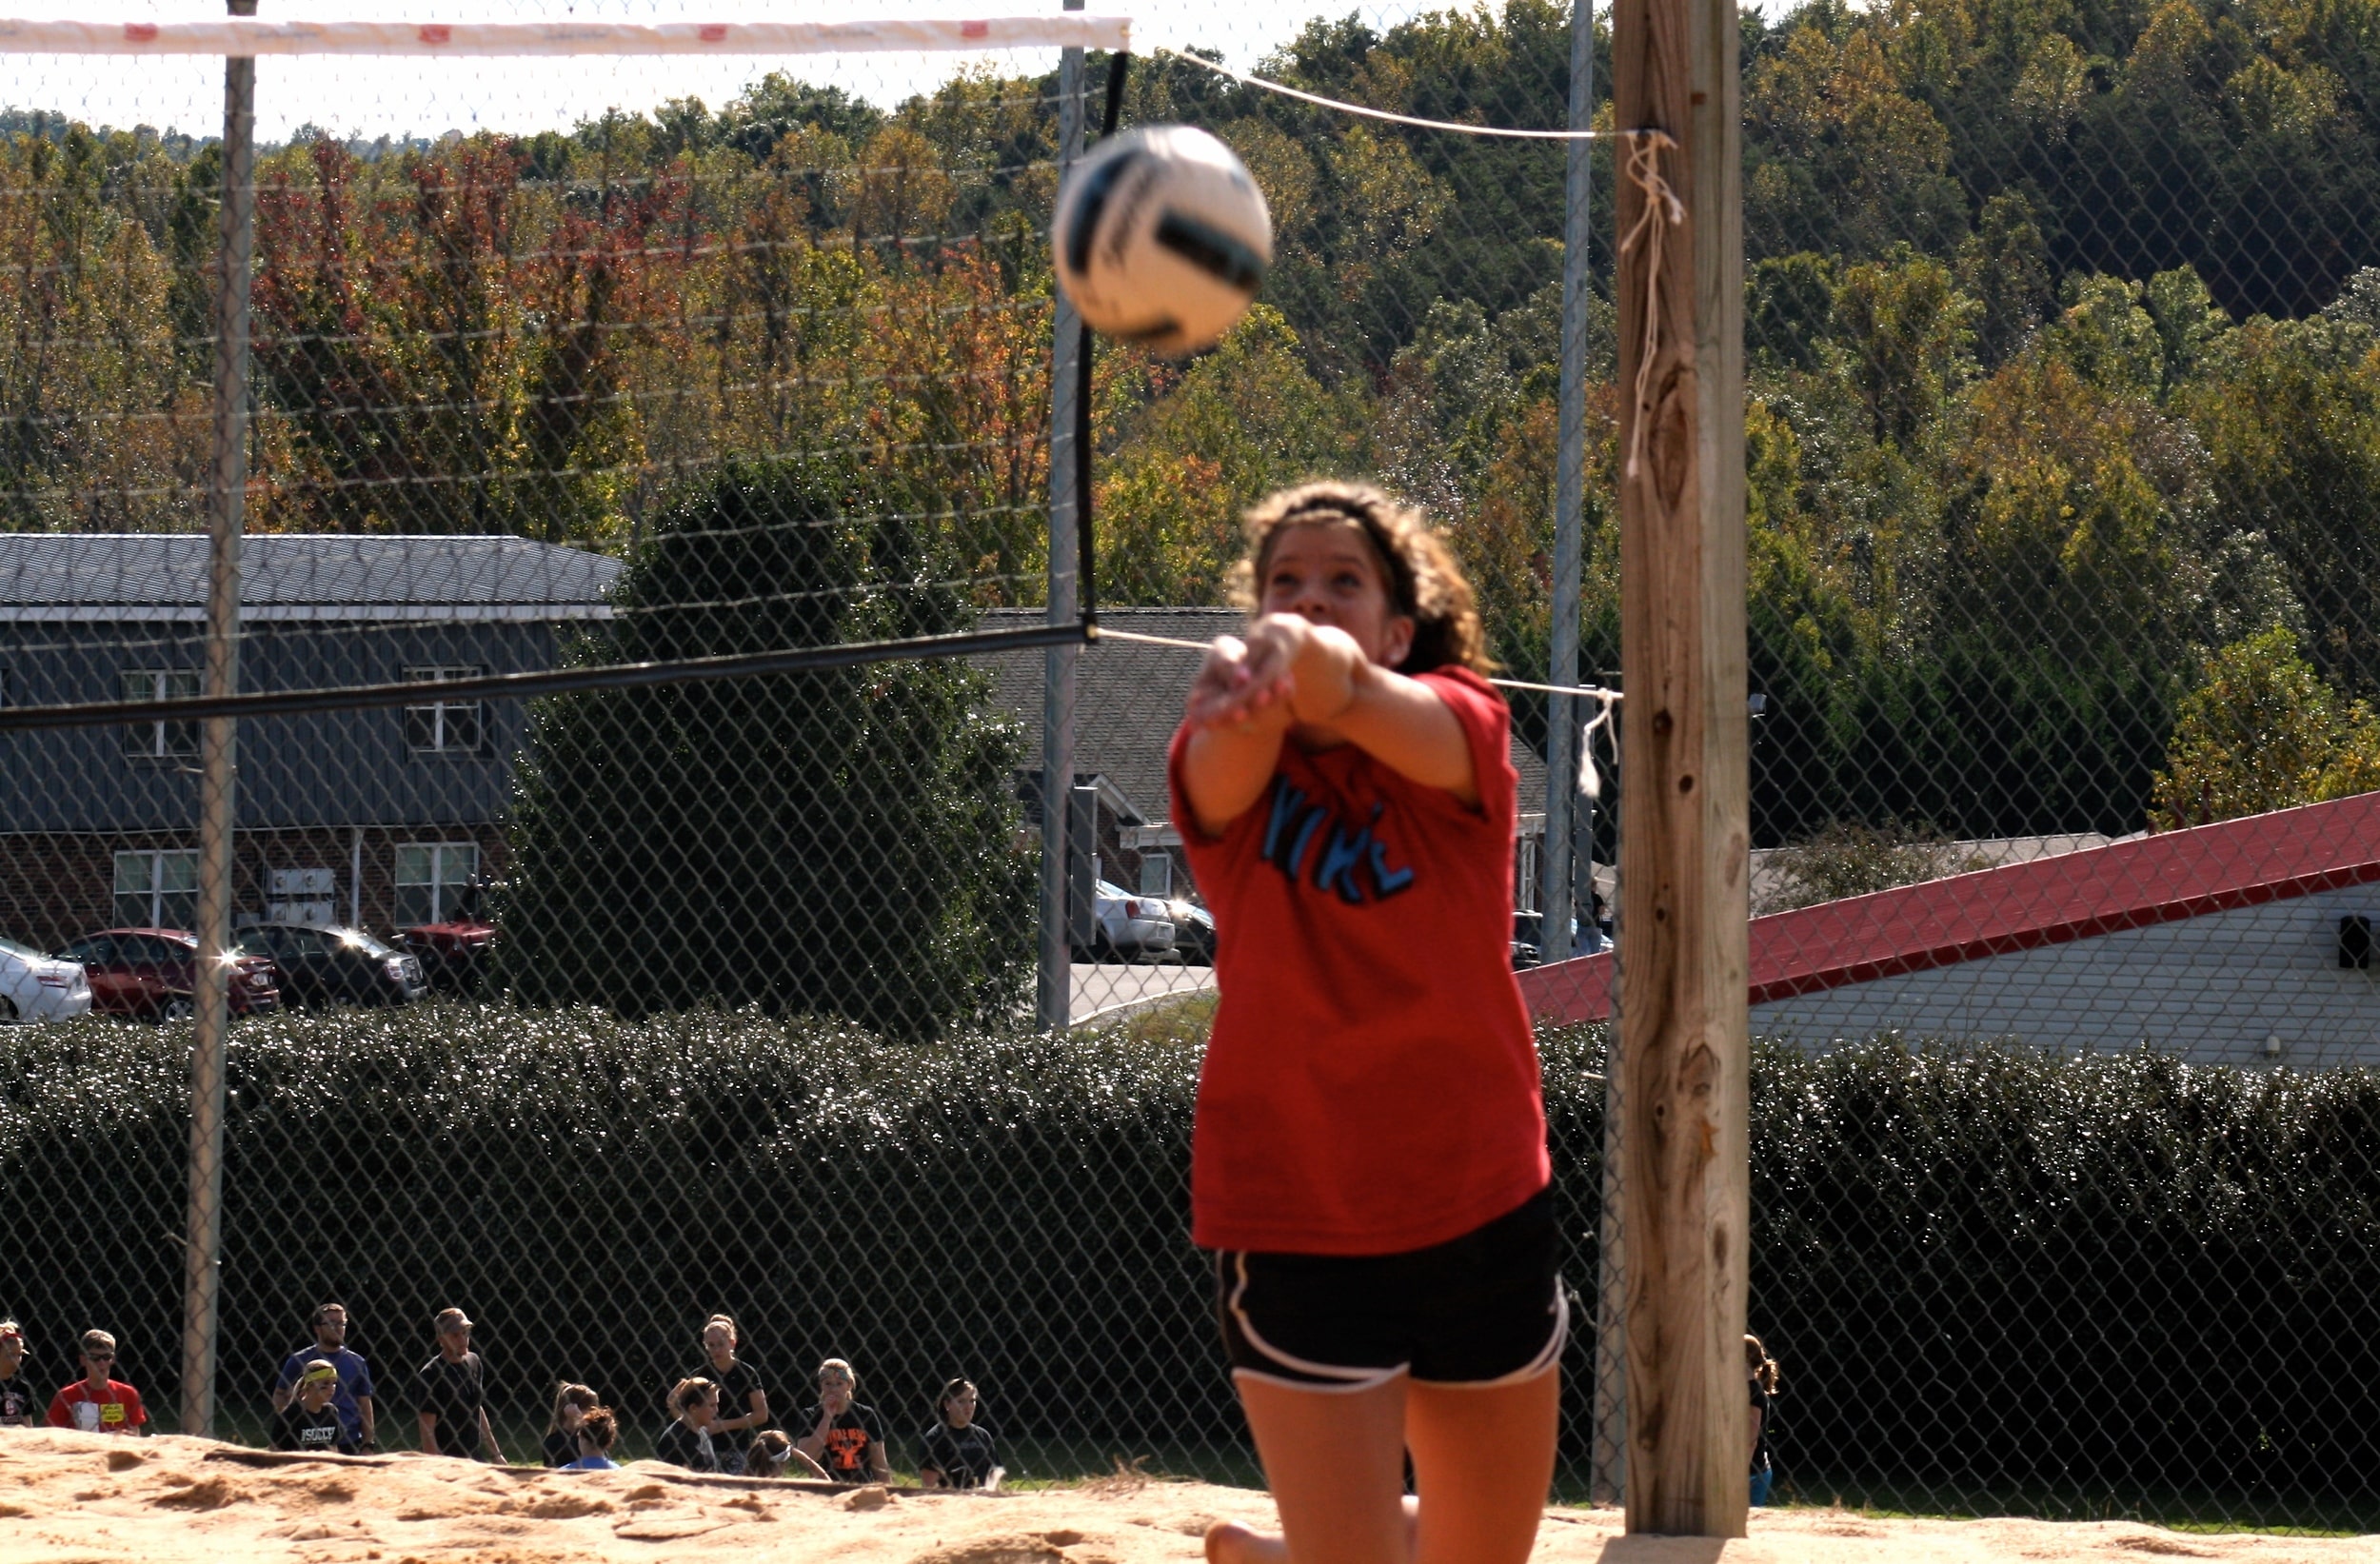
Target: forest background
<point>2063,331</point>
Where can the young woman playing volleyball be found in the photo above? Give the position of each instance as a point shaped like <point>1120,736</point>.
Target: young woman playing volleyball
<point>1369,1163</point>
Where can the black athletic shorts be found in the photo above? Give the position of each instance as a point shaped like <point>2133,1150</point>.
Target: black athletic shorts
<point>1486,1308</point>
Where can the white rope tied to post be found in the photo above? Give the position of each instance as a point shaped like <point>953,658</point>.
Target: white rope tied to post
<point>1644,171</point>
<point>249,36</point>
<point>1321,102</point>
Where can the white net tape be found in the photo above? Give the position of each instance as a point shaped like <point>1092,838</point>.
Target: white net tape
<point>251,37</point>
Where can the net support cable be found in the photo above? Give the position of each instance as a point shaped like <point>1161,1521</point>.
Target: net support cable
<point>249,36</point>
<point>549,681</point>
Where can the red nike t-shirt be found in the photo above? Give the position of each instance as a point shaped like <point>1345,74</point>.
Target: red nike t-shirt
<point>1372,1083</point>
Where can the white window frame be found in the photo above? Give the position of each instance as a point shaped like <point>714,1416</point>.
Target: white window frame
<point>440,717</point>
<point>440,885</point>
<point>153,889</point>
<point>161,740</point>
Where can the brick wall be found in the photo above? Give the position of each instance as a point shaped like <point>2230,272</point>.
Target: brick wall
<point>56,886</point>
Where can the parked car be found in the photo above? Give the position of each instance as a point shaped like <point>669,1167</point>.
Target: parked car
<point>154,972</point>
<point>453,954</point>
<point>1194,931</point>
<point>34,987</point>
<point>324,966</point>
<point>1127,926</point>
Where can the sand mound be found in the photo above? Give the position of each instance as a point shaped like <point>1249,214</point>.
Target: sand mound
<point>83,1498</point>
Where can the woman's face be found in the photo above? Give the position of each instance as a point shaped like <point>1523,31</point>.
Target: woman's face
<point>1329,573</point>
<point>719,1341</point>
<point>703,1413</point>
<point>960,1410</point>
<point>573,1415</point>
<point>834,1391</point>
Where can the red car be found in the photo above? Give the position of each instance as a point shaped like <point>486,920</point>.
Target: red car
<point>152,973</point>
<point>453,954</point>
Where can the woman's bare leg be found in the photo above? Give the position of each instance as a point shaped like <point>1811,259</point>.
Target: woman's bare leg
<point>1336,1462</point>
<point>1483,1462</point>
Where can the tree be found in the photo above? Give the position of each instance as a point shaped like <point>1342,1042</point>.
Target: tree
<point>838,843</point>
<point>2262,731</point>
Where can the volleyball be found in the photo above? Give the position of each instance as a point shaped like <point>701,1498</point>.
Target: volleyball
<point>1161,238</point>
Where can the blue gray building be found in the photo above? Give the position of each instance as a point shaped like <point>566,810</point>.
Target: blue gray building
<point>376,817</point>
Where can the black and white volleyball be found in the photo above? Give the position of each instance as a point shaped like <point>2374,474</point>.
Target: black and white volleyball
<point>1161,238</point>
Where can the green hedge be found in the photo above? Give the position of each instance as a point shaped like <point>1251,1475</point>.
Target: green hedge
<point>1994,1278</point>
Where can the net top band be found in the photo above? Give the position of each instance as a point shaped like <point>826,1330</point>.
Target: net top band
<point>249,36</point>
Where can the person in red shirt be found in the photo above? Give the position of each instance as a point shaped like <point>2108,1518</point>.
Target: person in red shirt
<point>1368,1161</point>
<point>97,1403</point>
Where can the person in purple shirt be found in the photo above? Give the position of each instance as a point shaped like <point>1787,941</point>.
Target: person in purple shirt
<point>353,1399</point>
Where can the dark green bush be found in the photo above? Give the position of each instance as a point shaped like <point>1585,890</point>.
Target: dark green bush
<point>1994,1278</point>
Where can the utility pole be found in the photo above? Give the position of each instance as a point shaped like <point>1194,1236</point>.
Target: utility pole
<point>218,757</point>
<point>1555,903</point>
<point>1054,995</point>
<point>1683,1066</point>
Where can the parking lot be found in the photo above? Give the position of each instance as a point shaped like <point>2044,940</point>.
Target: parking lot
<point>1102,988</point>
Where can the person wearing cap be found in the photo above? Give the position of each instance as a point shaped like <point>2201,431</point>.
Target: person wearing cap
<point>353,1399</point>
<point>454,1396</point>
<point>20,1404</point>
<point>309,1421</point>
<point>98,1403</point>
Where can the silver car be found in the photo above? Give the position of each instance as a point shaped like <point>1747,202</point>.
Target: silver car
<point>34,987</point>
<point>1130,925</point>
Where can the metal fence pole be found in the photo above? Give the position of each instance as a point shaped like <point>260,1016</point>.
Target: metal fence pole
<point>227,493</point>
<point>1607,1470</point>
<point>1555,902</point>
<point>1060,663</point>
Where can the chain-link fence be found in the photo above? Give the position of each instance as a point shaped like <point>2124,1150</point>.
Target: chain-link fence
<point>667,984</point>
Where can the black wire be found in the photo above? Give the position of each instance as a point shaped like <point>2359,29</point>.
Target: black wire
<point>693,670</point>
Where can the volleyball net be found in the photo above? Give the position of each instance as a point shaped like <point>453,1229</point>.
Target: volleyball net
<point>648,640</point>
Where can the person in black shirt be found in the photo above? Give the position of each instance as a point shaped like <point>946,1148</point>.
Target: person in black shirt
<point>571,1405</point>
<point>20,1404</point>
<point>693,1410</point>
<point>309,1422</point>
<point>454,1388</point>
<point>957,1451</point>
<point>743,1404</point>
<point>844,1437</point>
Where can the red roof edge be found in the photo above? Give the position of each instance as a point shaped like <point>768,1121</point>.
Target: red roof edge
<point>2162,878</point>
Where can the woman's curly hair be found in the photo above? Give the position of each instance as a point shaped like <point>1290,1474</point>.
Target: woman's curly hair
<point>1424,582</point>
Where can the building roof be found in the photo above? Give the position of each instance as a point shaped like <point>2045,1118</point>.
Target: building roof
<point>2127,885</point>
<point>115,577</point>
<point>1129,701</point>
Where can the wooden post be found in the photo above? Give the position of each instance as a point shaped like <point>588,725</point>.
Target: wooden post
<point>1684,836</point>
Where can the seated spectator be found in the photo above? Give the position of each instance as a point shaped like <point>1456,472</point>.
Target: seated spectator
<point>743,1403</point>
<point>957,1451</point>
<point>693,1408</point>
<point>353,1399</point>
<point>597,1430</point>
<point>97,1403</point>
<point>771,1452</point>
<point>844,1437</point>
<point>571,1403</point>
<point>311,1421</point>
<point>20,1404</point>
